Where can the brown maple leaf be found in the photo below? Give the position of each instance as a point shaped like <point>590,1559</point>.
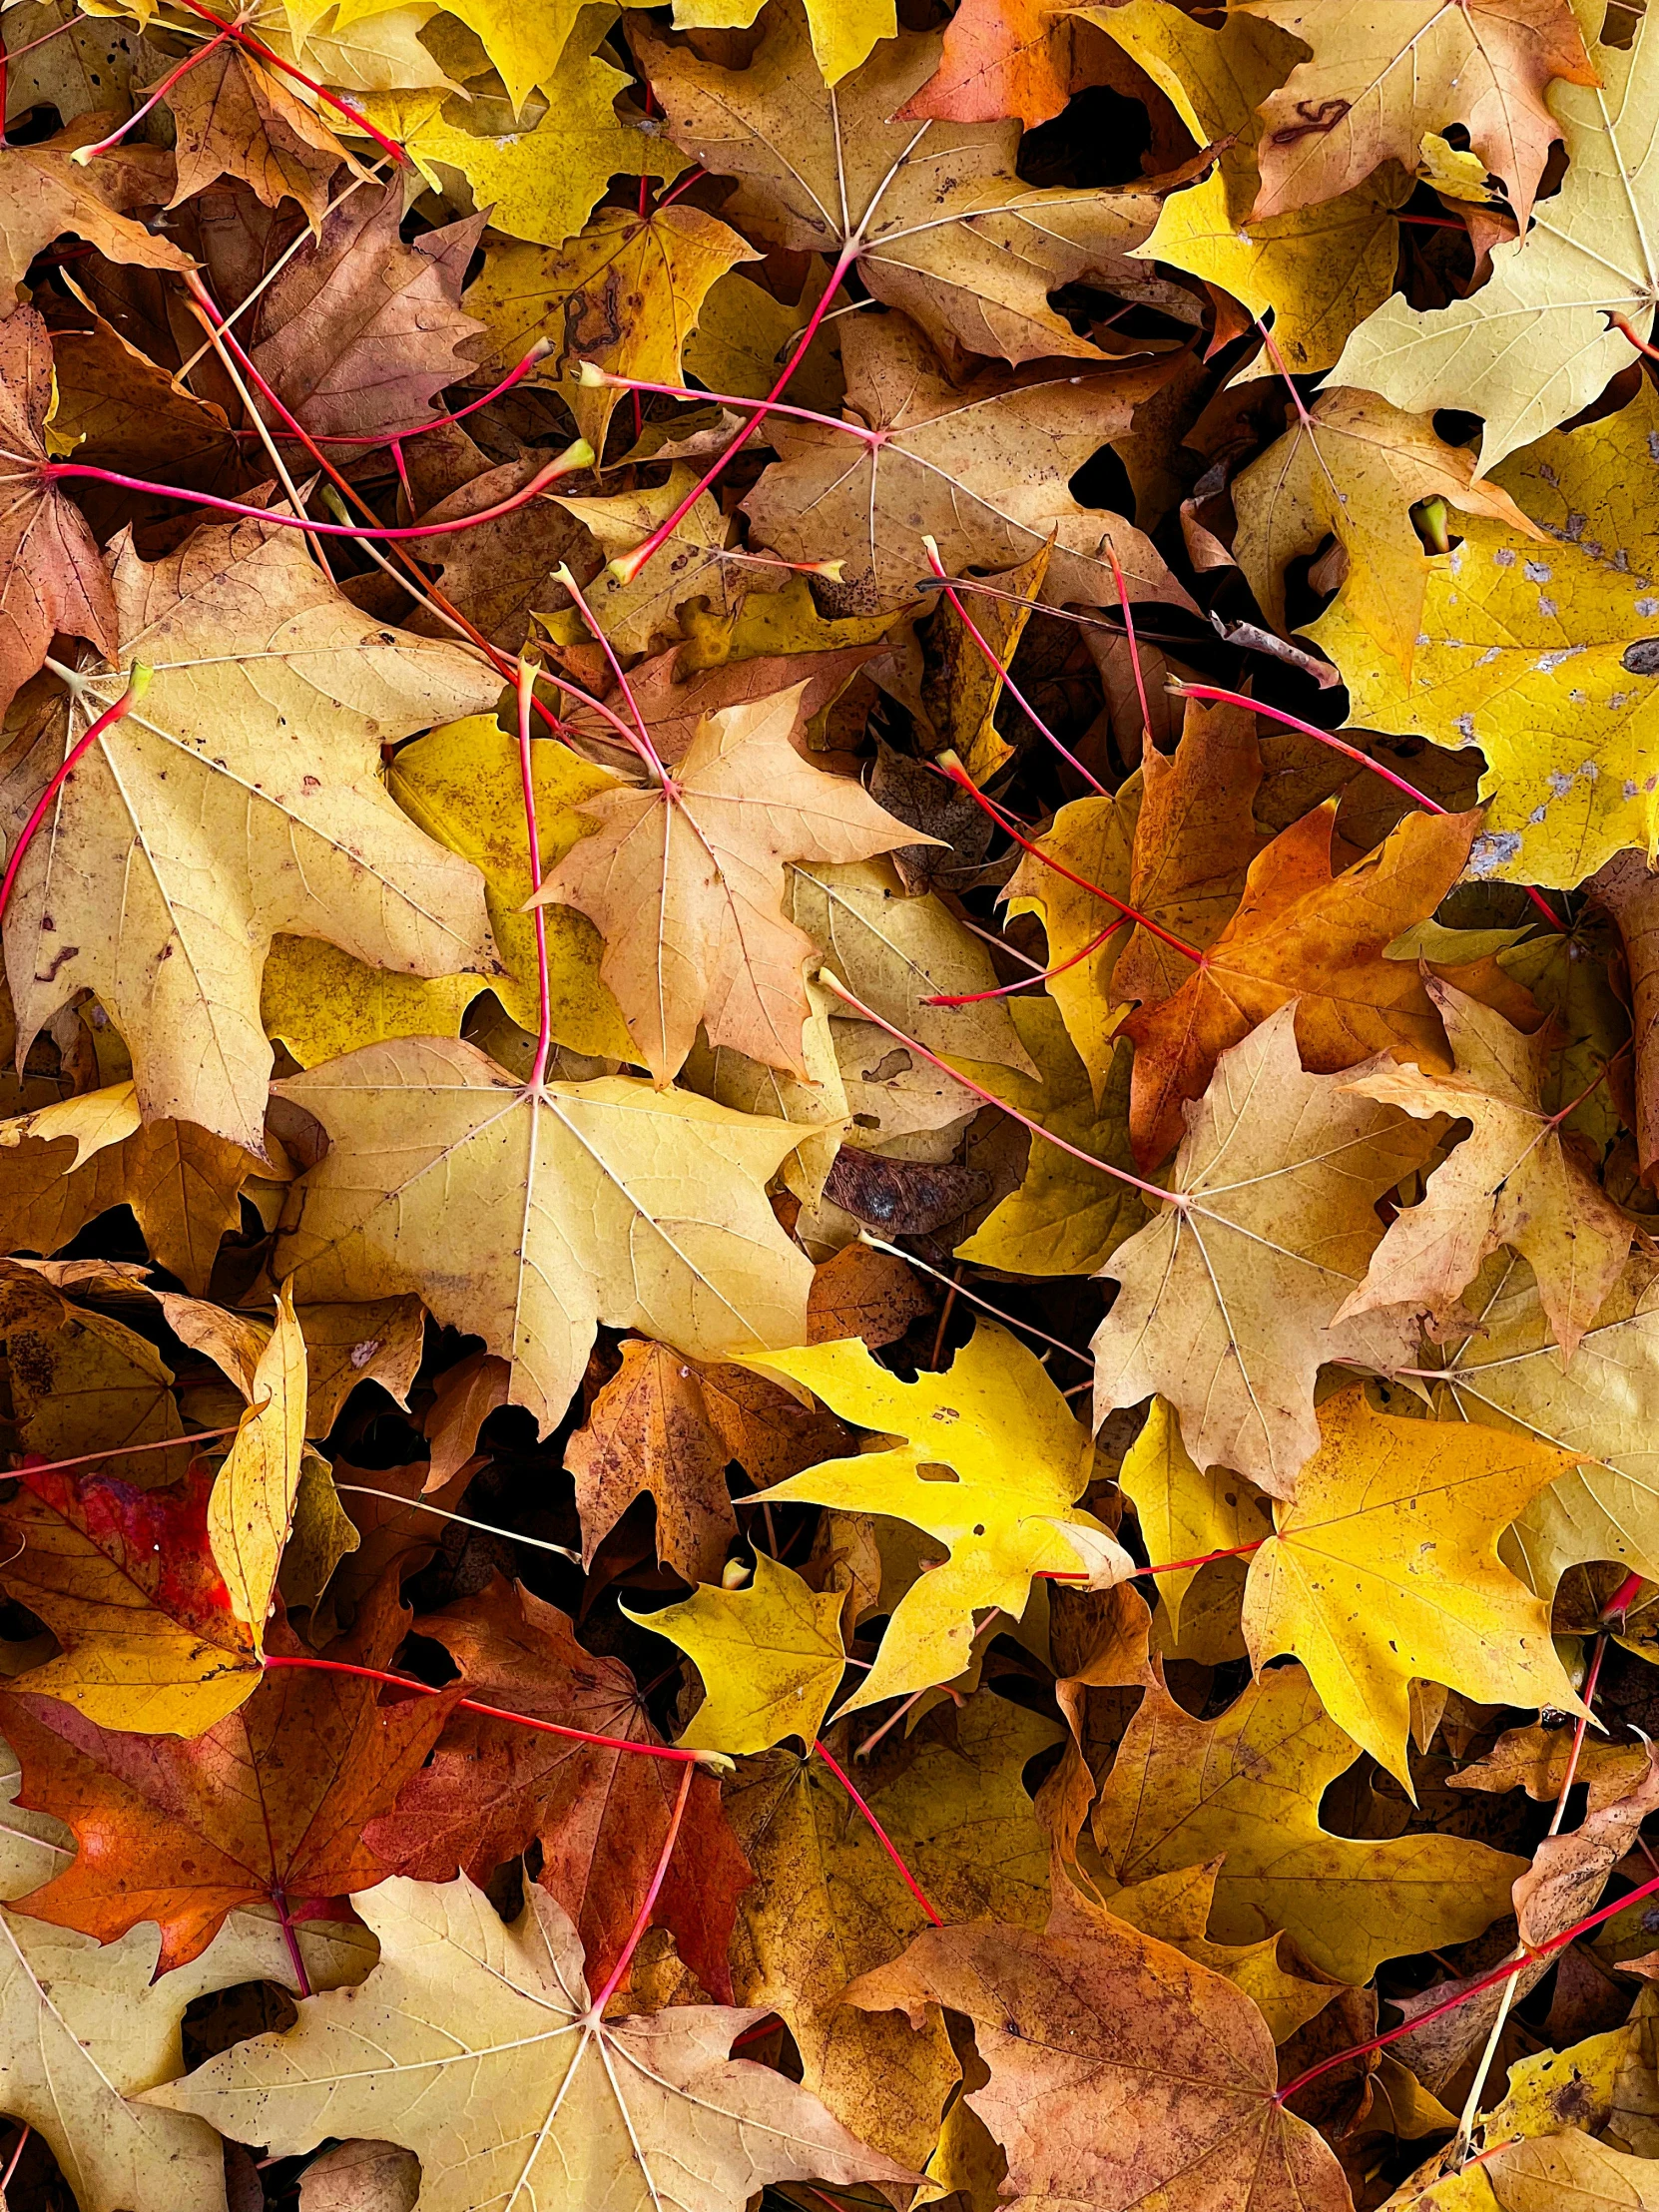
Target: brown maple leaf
<point>360,333</point>
<point>235,118</point>
<point>1195,837</point>
<point>984,469</point>
<point>600,1814</point>
<point>44,195</point>
<point>271,1804</point>
<point>686,883</point>
<point>52,575</point>
<point>1121,2072</point>
<point>933,213</point>
<point>671,1426</point>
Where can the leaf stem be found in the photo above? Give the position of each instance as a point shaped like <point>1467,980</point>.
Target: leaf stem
<point>642,1920</point>
<point>644,746</point>
<point>516,374</point>
<point>490,1712</point>
<point>630,563</point>
<point>1134,644</point>
<point>577,455</point>
<point>524,686</point>
<point>610,379</point>
<point>878,1831</point>
<point>1042,975</point>
<point>995,661</point>
<point>1103,1167</point>
<point>280,1898</point>
<point>32,1466</point>
<point>1622,324</point>
<point>954,769</point>
<point>11,2162</point>
<point>138,683</point>
<point>85,154</point>
<point>421,1505</point>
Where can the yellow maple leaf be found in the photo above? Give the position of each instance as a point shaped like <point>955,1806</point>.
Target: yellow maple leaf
<point>1537,655</point>
<point>1317,270</point>
<point>526,1216</point>
<point>625,296</point>
<point>992,1458</point>
<point>770,1656</point>
<point>1384,1569</point>
<point>1183,1792</point>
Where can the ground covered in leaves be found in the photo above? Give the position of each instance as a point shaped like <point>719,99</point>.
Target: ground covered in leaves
<point>829,1122</point>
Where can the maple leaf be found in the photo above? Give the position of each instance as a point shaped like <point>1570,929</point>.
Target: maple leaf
<point>641,612</point>
<point>1513,1181</point>
<point>604,2111</point>
<point>1017,1461</point>
<point>1377,81</point>
<point>771,1658</point>
<point>600,1814</point>
<point>666,1425</point>
<point>823,1908</point>
<point>625,296</point>
<point>1175,1907</point>
<point>584,1202</point>
<point>966,249</point>
<point>89,2028</point>
<point>64,1164</point>
<point>159,1599</point>
<point>1305,934</point>
<point>1386,1568</point>
<point>232,117</point>
<point>1317,269</point>
<point>251,647</point>
<point>1227,1297</point>
<point>896,953</point>
<point>360,332</point>
<point>1194,836</point>
<point>1534,1759</point>
<point>270,1802</point>
<point>1117,2067</point>
<point>1354,469</point>
<point>51,575</point>
<point>1547,301</point>
<point>1015,58</point>
<point>47,194</point>
<point>1092,840</point>
<point>686,886</point>
<point>984,470</point>
<point>1182,1791</point>
<point>1523,651</point>
<point>83,1380</point>
<point>539,179</point>
<point>825,1904</point>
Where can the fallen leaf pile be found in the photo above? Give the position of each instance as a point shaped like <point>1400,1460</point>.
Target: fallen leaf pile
<point>829,1106</point>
